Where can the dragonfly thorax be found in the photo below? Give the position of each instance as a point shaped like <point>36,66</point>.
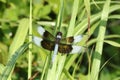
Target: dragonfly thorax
<point>58,37</point>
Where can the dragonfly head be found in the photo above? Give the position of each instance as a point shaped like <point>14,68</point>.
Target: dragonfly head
<point>59,35</point>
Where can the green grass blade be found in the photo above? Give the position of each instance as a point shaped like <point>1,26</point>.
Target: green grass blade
<point>10,65</point>
<point>1,68</point>
<point>68,74</point>
<point>113,43</point>
<point>106,37</point>
<point>20,35</point>
<point>59,18</point>
<point>100,41</point>
<point>4,55</point>
<point>112,36</point>
<point>73,18</point>
<point>87,7</point>
<point>30,40</point>
<point>115,17</point>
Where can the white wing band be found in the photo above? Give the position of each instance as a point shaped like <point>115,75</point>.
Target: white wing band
<point>37,40</point>
<point>41,30</point>
<point>76,49</point>
<point>77,38</point>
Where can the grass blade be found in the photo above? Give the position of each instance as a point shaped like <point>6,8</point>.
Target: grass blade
<point>113,43</point>
<point>73,18</point>
<point>100,41</point>
<point>10,65</point>
<point>30,40</point>
<point>20,35</point>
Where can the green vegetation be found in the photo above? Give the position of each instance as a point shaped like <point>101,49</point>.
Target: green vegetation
<point>98,21</point>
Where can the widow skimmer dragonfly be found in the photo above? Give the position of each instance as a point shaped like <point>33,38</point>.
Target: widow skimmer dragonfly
<point>57,43</point>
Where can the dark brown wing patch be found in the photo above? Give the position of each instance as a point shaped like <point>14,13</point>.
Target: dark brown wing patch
<point>67,40</point>
<point>63,48</point>
<point>48,36</point>
<point>49,45</point>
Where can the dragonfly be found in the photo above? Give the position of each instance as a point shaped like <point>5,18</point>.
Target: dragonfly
<point>63,45</point>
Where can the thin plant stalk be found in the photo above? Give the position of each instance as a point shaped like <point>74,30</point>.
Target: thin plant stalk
<point>100,40</point>
<point>30,40</point>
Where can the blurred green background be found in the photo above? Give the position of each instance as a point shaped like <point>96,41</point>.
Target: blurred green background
<point>12,11</point>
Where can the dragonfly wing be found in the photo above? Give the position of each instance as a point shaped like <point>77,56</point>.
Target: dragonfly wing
<point>37,41</point>
<point>41,30</point>
<point>49,45</point>
<point>76,49</point>
<point>78,38</point>
<point>45,34</point>
<point>64,48</point>
<point>71,40</point>
<point>72,49</point>
<point>67,40</point>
